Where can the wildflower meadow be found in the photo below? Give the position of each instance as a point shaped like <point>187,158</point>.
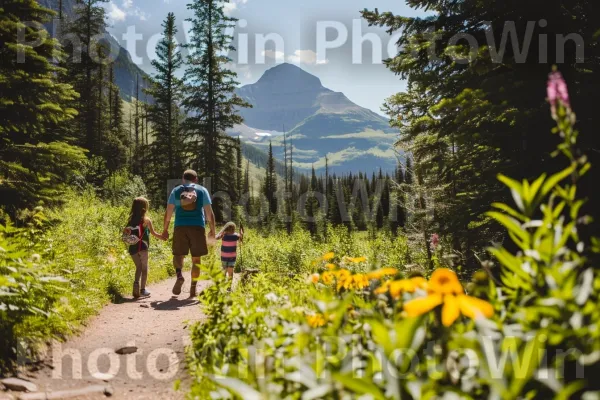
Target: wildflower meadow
<point>526,325</point>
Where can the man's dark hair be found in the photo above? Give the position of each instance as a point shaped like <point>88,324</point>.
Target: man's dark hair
<point>190,175</point>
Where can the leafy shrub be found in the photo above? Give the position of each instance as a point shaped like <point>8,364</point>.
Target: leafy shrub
<point>27,288</point>
<point>122,187</point>
<point>79,244</point>
<point>344,332</point>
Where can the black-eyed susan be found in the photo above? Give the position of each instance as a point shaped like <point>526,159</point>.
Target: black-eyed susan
<point>328,256</point>
<point>327,277</point>
<point>359,281</point>
<point>330,266</point>
<point>445,288</point>
<point>382,273</point>
<point>396,288</point>
<point>315,320</point>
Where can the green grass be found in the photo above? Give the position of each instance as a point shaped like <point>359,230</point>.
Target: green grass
<point>83,245</point>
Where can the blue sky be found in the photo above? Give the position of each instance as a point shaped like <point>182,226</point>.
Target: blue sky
<point>293,27</point>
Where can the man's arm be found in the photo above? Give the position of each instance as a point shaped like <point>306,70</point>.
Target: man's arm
<point>210,216</point>
<point>167,220</point>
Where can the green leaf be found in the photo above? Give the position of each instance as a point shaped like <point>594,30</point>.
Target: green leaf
<point>533,190</point>
<point>530,358</point>
<point>511,224</point>
<point>511,262</point>
<point>360,386</point>
<point>516,189</point>
<point>236,386</point>
<point>555,179</point>
<point>568,392</point>
<point>381,336</point>
<point>510,211</point>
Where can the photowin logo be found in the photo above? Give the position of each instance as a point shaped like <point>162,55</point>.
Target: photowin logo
<point>328,37</point>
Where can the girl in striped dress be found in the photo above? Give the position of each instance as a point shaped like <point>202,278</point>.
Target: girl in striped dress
<point>229,247</point>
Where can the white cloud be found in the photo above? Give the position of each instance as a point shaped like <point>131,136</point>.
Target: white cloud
<point>306,57</point>
<point>229,8</point>
<point>278,56</point>
<point>232,5</point>
<point>115,14</point>
<point>119,14</point>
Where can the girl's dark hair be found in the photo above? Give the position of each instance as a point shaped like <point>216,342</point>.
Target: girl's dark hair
<point>139,208</point>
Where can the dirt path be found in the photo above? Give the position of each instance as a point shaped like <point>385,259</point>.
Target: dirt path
<point>159,326</point>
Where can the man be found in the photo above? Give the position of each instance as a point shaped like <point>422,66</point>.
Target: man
<point>192,206</point>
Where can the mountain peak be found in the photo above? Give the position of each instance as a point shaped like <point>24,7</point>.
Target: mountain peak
<point>286,74</point>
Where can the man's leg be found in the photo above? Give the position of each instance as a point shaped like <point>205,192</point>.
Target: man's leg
<point>198,248</point>
<point>181,248</point>
<point>195,275</point>
<point>178,264</point>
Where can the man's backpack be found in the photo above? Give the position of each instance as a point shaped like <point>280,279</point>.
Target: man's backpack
<point>189,198</point>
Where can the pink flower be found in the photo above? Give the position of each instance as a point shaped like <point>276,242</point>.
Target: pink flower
<point>557,91</point>
<point>435,240</point>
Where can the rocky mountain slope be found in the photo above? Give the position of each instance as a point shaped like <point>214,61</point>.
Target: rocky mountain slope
<point>126,72</point>
<point>320,122</point>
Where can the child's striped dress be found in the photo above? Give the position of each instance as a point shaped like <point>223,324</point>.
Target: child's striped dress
<point>229,249</point>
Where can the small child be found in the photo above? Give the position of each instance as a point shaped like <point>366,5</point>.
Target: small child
<point>229,247</point>
<point>139,228</point>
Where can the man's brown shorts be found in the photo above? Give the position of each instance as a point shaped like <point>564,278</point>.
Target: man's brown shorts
<point>188,239</point>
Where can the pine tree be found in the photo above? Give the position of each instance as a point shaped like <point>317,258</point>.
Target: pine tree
<point>239,170</point>
<point>270,185</point>
<point>467,116</point>
<point>114,145</point>
<point>166,89</point>
<point>210,99</point>
<point>397,198</point>
<point>84,71</point>
<point>35,161</point>
<point>137,126</point>
<point>246,185</point>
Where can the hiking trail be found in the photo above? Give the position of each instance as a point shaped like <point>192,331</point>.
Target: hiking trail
<point>159,326</point>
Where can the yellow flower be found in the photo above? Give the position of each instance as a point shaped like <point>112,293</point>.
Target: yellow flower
<point>344,279</point>
<point>356,260</point>
<point>360,281</point>
<point>343,274</point>
<point>383,288</point>
<point>327,278</point>
<point>316,320</point>
<point>396,288</point>
<point>404,285</point>
<point>330,266</point>
<point>444,281</point>
<point>382,273</point>
<point>419,282</point>
<point>445,288</point>
<point>329,256</point>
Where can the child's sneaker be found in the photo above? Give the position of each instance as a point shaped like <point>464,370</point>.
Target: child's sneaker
<point>178,285</point>
<point>145,293</point>
<point>136,290</point>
